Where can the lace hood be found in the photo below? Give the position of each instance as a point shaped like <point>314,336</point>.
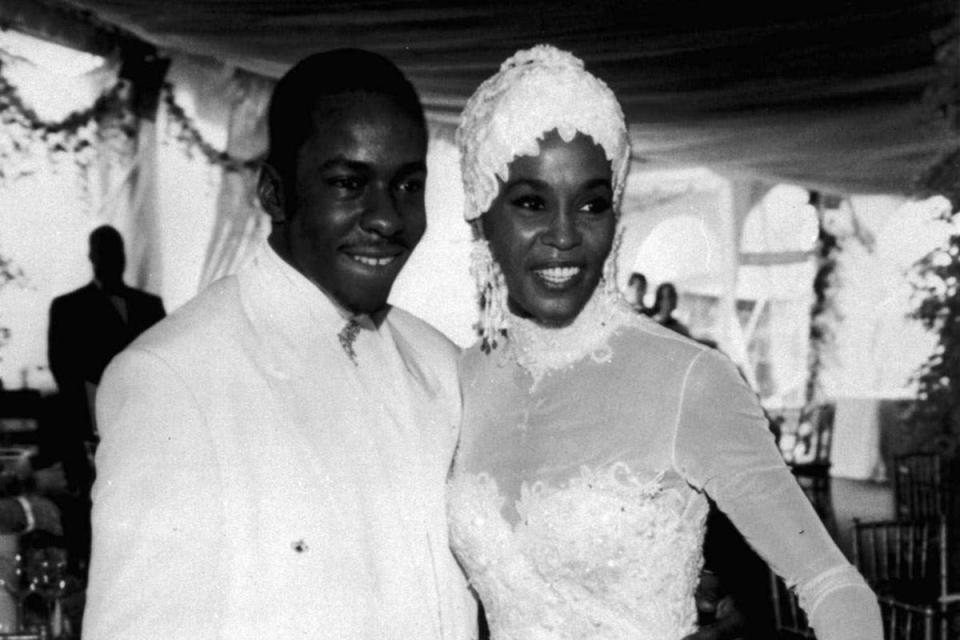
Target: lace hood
<point>536,91</point>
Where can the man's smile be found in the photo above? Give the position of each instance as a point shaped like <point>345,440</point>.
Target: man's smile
<point>371,261</point>
<point>376,256</point>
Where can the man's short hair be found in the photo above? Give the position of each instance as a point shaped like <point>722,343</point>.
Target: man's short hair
<point>323,75</point>
<point>105,236</point>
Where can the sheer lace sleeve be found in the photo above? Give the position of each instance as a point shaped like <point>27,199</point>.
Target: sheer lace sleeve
<point>723,446</point>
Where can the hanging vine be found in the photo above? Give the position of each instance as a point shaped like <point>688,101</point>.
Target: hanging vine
<point>186,132</point>
<point>10,273</point>
<point>937,285</point>
<point>823,313</point>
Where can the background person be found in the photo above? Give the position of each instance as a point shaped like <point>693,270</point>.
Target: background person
<point>638,290</point>
<point>665,303</point>
<point>88,327</point>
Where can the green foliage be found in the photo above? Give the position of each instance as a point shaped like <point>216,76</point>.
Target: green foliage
<point>823,313</point>
<point>9,274</point>
<point>938,379</point>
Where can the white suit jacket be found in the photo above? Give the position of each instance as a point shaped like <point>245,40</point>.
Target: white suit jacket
<point>253,481</point>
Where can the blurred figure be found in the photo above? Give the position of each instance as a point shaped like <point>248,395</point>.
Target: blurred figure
<point>94,323</point>
<point>638,285</point>
<point>663,307</point>
<point>88,327</point>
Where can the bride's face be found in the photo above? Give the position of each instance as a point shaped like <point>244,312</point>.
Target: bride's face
<point>551,228</point>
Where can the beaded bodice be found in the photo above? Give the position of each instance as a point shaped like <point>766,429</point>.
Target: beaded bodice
<point>607,556</point>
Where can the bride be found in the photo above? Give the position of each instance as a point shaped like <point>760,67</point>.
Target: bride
<point>592,436</point>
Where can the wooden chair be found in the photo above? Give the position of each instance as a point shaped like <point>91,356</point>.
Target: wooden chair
<point>902,621</point>
<point>906,563</point>
<point>789,620</point>
<point>919,487</point>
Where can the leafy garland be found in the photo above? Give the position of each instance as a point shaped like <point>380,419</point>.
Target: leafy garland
<point>187,134</point>
<point>110,119</point>
<point>108,124</point>
<point>823,313</point>
<point>937,283</point>
<point>10,273</point>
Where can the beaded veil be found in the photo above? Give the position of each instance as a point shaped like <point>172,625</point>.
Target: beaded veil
<point>536,91</point>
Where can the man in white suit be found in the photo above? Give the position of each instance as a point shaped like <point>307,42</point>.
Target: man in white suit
<point>273,455</point>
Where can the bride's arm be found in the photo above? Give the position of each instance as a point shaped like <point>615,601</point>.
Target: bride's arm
<point>723,446</point>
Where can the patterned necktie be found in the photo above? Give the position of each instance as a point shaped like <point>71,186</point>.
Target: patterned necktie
<point>347,336</point>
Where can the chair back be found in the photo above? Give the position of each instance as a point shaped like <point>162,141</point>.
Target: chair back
<point>789,619</point>
<point>902,621</point>
<point>919,489</point>
<point>905,560</point>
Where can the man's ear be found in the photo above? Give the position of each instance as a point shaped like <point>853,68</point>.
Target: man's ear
<point>271,193</point>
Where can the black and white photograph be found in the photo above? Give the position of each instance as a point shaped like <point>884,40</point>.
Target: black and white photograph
<point>462,320</point>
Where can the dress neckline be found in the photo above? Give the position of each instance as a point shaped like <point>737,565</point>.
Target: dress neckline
<point>540,349</point>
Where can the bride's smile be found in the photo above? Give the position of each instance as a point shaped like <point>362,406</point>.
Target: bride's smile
<point>552,226</point>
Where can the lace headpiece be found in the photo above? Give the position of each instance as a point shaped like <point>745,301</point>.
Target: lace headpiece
<point>536,91</point>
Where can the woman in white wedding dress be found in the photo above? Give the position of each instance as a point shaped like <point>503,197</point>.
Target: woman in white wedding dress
<point>591,435</point>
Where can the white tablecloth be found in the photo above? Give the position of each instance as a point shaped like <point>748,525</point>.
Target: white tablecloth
<point>856,439</point>
<point>857,427</point>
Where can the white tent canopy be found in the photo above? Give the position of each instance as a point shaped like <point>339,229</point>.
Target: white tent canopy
<point>821,93</point>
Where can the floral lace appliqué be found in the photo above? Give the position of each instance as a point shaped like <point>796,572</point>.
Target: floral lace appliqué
<point>607,555</point>
<point>540,349</point>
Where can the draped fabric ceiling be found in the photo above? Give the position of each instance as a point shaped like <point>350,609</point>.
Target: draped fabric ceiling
<point>836,95</point>
<point>821,93</point>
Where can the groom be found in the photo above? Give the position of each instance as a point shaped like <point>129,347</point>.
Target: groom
<point>273,455</point>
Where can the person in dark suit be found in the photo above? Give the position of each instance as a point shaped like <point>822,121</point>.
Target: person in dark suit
<point>92,324</point>
<point>88,327</point>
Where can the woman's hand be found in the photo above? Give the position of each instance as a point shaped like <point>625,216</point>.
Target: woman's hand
<point>725,620</point>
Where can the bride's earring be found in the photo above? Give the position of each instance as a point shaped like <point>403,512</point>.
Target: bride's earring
<point>491,294</point>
